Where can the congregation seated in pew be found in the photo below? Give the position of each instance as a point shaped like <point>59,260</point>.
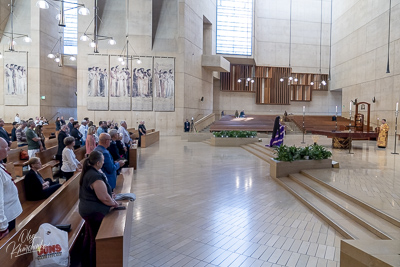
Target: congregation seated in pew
<point>36,187</point>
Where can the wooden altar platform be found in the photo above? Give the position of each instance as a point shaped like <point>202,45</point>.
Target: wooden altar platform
<point>342,139</point>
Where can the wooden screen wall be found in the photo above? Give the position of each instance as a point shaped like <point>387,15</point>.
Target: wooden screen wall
<point>268,87</point>
<point>270,90</point>
<point>229,80</point>
<point>302,89</point>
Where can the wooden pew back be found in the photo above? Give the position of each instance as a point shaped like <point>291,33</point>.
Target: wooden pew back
<point>11,169</point>
<point>13,155</point>
<point>80,153</point>
<point>51,142</point>
<point>14,145</point>
<point>149,139</point>
<point>47,156</point>
<point>114,236</point>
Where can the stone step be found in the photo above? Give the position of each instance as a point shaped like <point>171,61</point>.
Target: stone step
<point>270,149</point>
<point>257,153</point>
<point>340,222</point>
<point>370,221</point>
<point>393,220</point>
<point>262,149</point>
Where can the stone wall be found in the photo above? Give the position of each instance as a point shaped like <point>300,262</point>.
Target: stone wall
<point>359,55</point>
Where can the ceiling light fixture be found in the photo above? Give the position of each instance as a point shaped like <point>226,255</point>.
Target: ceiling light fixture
<point>12,35</point>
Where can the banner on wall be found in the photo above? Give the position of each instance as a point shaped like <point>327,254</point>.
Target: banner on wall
<point>164,84</point>
<point>120,84</point>
<point>15,78</point>
<point>97,82</point>
<point>142,91</point>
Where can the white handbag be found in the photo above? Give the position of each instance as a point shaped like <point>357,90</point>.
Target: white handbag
<point>50,247</point>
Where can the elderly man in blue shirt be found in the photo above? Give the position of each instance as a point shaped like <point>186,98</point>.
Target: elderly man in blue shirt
<point>109,167</point>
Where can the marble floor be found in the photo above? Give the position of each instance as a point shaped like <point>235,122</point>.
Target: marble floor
<point>199,205</point>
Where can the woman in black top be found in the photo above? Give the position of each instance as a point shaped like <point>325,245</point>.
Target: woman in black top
<point>36,187</point>
<point>76,134</point>
<point>95,200</point>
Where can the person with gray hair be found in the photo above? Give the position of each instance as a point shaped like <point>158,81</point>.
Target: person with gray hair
<point>34,144</point>
<point>21,134</point>
<point>113,148</point>
<point>126,138</point>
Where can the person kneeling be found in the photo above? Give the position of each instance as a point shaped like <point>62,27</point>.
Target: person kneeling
<point>36,187</point>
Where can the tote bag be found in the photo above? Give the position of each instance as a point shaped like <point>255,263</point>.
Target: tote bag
<point>50,247</point>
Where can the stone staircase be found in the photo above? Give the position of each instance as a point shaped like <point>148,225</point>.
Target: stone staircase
<point>351,217</point>
<point>261,151</point>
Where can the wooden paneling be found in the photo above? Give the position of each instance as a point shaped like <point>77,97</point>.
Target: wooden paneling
<point>229,80</point>
<point>302,89</point>
<point>268,87</point>
<point>270,90</point>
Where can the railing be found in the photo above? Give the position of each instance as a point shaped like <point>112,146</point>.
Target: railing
<point>54,116</point>
<point>204,122</point>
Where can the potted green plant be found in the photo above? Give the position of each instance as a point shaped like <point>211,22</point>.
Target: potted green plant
<point>292,159</point>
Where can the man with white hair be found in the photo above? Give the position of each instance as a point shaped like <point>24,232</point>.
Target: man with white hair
<point>10,206</point>
<point>126,139</point>
<point>70,126</point>
<point>83,129</point>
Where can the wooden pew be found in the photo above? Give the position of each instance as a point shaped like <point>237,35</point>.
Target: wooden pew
<point>8,127</point>
<point>28,207</point>
<point>13,156</point>
<point>60,208</point>
<point>114,236</point>
<point>47,156</point>
<point>133,158</point>
<point>14,145</point>
<point>80,153</point>
<point>11,169</point>
<point>51,142</point>
<point>149,139</point>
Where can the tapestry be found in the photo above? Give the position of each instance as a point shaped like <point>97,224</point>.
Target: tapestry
<point>164,84</point>
<point>120,84</point>
<point>15,78</point>
<point>97,82</point>
<point>142,91</point>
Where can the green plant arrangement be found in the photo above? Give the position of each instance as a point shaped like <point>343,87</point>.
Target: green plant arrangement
<point>291,153</point>
<point>235,134</point>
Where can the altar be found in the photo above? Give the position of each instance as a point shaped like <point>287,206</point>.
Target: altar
<point>343,139</point>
